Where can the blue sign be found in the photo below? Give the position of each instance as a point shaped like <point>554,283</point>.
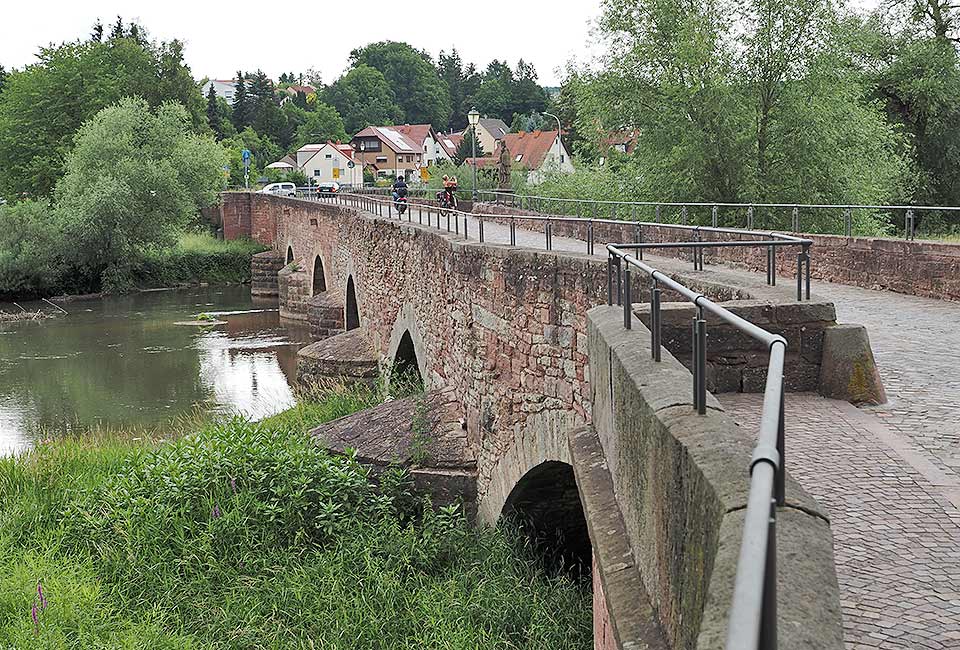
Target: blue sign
<point>246,155</point>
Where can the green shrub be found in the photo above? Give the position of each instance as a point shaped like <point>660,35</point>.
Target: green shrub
<point>250,536</point>
<point>196,258</point>
<point>29,250</point>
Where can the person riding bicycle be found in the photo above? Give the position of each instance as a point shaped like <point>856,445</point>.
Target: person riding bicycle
<point>446,196</point>
<point>399,188</point>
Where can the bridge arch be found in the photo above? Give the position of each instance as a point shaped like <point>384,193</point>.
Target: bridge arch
<point>351,310</point>
<point>319,277</point>
<point>406,351</point>
<point>545,503</point>
<point>289,254</point>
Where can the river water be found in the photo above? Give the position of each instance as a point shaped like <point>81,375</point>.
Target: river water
<point>123,361</point>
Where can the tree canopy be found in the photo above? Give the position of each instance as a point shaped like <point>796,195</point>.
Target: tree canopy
<point>44,104</point>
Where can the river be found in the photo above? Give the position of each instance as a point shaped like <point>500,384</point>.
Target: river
<point>123,361</point>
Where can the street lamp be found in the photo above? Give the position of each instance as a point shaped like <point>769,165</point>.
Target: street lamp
<point>559,143</point>
<point>474,117</point>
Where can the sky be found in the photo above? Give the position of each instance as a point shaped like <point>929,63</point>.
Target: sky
<point>223,37</point>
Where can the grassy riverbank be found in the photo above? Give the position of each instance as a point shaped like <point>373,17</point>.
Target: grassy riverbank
<point>239,535</point>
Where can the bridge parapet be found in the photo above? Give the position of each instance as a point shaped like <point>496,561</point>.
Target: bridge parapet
<point>680,480</point>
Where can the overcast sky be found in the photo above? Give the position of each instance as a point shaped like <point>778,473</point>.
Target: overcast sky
<point>223,37</point>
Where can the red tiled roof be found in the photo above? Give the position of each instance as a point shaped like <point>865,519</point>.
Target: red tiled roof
<point>415,132</point>
<point>306,90</point>
<point>454,141</point>
<point>626,138</point>
<point>481,162</point>
<point>531,147</point>
<point>392,137</point>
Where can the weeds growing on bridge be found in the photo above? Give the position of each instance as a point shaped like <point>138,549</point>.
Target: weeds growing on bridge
<point>241,535</point>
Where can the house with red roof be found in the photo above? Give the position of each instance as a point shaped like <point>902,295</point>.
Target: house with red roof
<point>330,161</point>
<point>537,152</point>
<point>389,152</point>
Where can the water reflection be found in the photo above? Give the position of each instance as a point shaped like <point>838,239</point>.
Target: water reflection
<point>122,361</point>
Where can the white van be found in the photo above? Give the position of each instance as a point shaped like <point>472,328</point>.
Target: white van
<point>280,189</point>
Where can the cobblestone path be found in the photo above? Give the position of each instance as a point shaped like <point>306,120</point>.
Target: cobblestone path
<point>896,536</point>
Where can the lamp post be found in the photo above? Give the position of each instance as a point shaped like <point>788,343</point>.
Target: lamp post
<point>363,163</point>
<point>474,117</point>
<point>559,143</point>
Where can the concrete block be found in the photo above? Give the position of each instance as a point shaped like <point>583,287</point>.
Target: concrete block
<point>849,371</point>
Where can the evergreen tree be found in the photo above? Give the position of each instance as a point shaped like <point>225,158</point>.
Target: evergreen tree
<point>242,112</point>
<point>117,31</point>
<point>467,146</point>
<point>3,77</point>
<point>213,114</point>
<point>97,34</point>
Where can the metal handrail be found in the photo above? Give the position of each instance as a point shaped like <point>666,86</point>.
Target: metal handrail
<point>752,620</point>
<point>698,245</point>
<point>753,613</point>
<point>910,221</point>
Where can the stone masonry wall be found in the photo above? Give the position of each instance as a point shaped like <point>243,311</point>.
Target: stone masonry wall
<point>264,268</point>
<point>503,326</point>
<point>917,268</point>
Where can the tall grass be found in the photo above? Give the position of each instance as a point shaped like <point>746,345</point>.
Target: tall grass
<point>247,535</point>
<point>197,257</point>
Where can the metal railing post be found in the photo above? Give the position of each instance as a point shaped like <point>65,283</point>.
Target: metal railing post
<point>848,222</point>
<point>655,320</point>
<point>799,276</point>
<point>683,215</point>
<point>912,227</point>
<point>750,218</point>
<point>626,295</point>
<point>806,257</point>
<point>638,238</point>
<point>796,219</point>
<point>656,214</point>
<point>619,281</point>
<point>609,278</point>
<point>590,238</point>
<point>714,214</point>
<point>480,224</point>
<point>513,232</point>
<point>701,332</point>
<point>546,232</point>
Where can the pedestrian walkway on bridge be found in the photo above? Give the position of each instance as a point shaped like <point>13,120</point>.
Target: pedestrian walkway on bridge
<point>889,475</point>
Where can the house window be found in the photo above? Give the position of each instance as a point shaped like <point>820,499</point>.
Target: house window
<point>518,158</point>
<point>381,159</point>
<point>372,145</point>
<point>561,158</point>
<point>424,148</point>
<point>329,155</point>
<point>317,172</point>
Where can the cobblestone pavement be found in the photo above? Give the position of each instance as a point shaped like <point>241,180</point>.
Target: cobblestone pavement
<point>896,537</point>
<point>916,342</point>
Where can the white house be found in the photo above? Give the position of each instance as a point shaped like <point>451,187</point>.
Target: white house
<point>222,87</point>
<point>427,141</point>
<point>538,152</point>
<point>331,161</point>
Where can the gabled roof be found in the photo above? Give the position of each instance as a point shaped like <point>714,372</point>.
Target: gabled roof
<point>495,127</point>
<point>306,90</point>
<point>416,132</point>
<point>345,149</point>
<point>531,147</point>
<point>391,137</point>
<point>626,139</point>
<point>450,142</point>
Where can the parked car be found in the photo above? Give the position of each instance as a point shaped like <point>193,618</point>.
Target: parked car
<point>329,187</point>
<point>280,189</point>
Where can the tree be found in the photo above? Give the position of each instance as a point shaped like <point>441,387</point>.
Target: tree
<point>363,97</point>
<point>133,180</point>
<point>213,113</point>
<point>44,104</point>
<point>468,145</point>
<point>527,95</point>
<point>267,119</point>
<point>117,31</point>
<point>322,124</point>
<point>739,107</point>
<point>493,99</point>
<point>96,34</point>
<point>421,94</point>
<point>242,108</point>
<point>3,77</point>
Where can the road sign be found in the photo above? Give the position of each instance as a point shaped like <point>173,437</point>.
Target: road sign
<point>351,164</point>
<point>424,174</point>
<point>246,155</point>
<point>336,172</point>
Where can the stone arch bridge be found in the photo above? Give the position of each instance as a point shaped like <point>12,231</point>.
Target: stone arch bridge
<point>542,405</point>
